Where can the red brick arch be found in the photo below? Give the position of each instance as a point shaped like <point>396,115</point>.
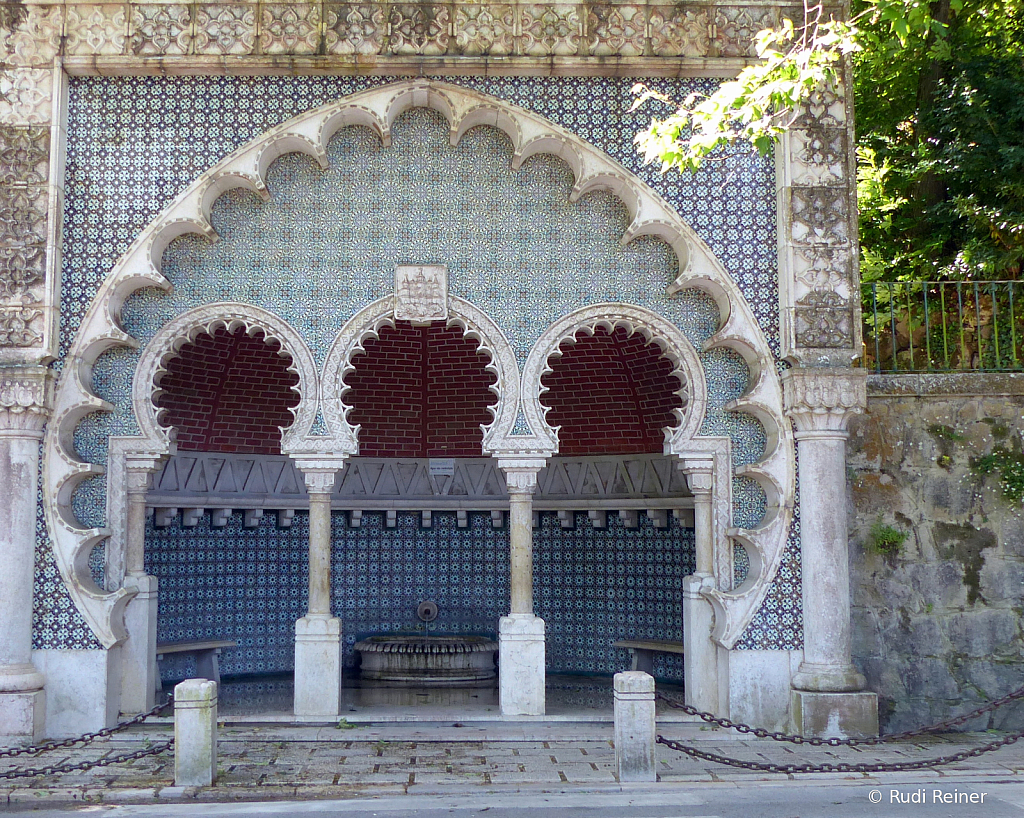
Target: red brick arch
<point>612,393</point>
<point>420,392</point>
<point>229,392</point>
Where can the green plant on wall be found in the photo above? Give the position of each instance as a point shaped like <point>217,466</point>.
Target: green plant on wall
<point>886,539</point>
<point>1010,467</point>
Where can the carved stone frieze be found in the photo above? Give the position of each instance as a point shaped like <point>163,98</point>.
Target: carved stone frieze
<point>292,28</point>
<point>820,215</point>
<point>823,320</point>
<point>617,29</point>
<point>484,29</point>
<point>26,398</point>
<point>818,156</point>
<point>22,272</point>
<point>357,28</point>
<point>23,216</point>
<point>25,96</point>
<point>549,30</point>
<point>823,399</point>
<point>32,37</point>
<point>736,27</point>
<point>680,31</point>
<point>823,267</point>
<point>24,155</point>
<point>160,29</point>
<point>225,29</point>
<point>21,326</point>
<point>419,28</point>
<point>97,30</point>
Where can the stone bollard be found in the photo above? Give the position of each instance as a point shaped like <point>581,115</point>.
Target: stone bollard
<point>195,733</point>
<point>635,727</point>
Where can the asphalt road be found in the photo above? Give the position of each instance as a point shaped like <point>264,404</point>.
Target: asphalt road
<point>790,799</point>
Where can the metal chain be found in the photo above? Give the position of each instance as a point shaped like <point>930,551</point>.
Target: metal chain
<point>57,769</point>
<point>842,766</point>
<point>760,732</point>
<point>10,752</point>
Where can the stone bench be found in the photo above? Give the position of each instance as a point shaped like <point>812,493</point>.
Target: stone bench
<point>206,653</point>
<point>642,651</point>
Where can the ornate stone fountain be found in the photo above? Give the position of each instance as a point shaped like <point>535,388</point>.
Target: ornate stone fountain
<point>428,661</point>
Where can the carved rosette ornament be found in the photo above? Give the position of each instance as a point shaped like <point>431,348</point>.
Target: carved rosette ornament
<point>818,273</point>
<point>822,400</point>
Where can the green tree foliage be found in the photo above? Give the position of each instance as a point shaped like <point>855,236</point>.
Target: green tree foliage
<point>939,93</point>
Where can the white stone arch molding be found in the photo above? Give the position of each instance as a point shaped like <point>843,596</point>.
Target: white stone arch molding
<point>774,472</point>
<point>310,133</point>
<point>475,325</point>
<point>63,470</point>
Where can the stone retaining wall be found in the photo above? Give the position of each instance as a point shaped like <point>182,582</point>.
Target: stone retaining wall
<point>937,618</point>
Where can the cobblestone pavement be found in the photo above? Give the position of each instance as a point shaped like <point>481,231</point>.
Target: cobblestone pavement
<point>316,762</point>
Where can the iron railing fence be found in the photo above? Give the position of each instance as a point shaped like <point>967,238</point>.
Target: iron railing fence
<point>929,326</point>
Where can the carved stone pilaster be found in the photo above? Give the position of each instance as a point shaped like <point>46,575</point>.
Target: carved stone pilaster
<point>822,400</point>
<point>818,274</point>
<point>26,397</point>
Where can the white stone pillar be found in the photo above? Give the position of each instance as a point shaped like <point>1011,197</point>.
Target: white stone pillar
<point>821,401</point>
<point>635,727</point>
<point>25,395</point>
<point>195,733</point>
<point>521,634</point>
<point>700,661</point>
<point>318,634</point>
<point>138,654</point>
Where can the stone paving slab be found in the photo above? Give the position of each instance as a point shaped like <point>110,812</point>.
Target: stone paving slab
<point>308,762</point>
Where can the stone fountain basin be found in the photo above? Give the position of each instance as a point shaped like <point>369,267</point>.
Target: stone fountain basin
<point>428,661</point>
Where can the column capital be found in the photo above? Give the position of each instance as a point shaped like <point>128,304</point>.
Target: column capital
<point>26,399</point>
<point>320,480</point>
<point>821,400</point>
<point>521,473</point>
<point>700,474</point>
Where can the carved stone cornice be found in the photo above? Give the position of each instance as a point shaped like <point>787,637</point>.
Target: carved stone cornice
<point>822,400</point>
<point>26,398</point>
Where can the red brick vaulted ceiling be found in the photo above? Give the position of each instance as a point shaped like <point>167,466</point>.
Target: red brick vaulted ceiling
<point>612,393</point>
<point>229,392</point>
<point>420,392</point>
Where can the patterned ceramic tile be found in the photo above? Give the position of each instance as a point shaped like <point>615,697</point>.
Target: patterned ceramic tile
<point>135,143</point>
<point>591,586</point>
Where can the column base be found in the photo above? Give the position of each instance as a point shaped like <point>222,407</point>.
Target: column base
<point>521,665</point>
<point>835,715</point>
<point>828,678</point>
<point>318,666</point>
<point>700,662</point>
<point>22,718</point>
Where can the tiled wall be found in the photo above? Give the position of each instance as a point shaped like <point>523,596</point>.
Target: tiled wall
<point>591,586</point>
<point>135,143</point>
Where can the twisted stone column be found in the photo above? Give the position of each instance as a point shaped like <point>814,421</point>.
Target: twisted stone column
<point>25,398</point>
<point>821,401</point>
<point>521,634</point>
<point>318,634</point>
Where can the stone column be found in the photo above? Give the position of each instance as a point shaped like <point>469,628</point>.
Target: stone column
<point>521,634</point>
<point>138,655</point>
<point>25,395</point>
<point>826,700</point>
<point>195,733</point>
<point>700,661</point>
<point>318,634</point>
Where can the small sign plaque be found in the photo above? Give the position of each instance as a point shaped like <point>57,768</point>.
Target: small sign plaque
<point>442,467</point>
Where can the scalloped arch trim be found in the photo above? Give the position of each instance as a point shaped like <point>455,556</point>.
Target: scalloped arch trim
<point>310,133</point>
